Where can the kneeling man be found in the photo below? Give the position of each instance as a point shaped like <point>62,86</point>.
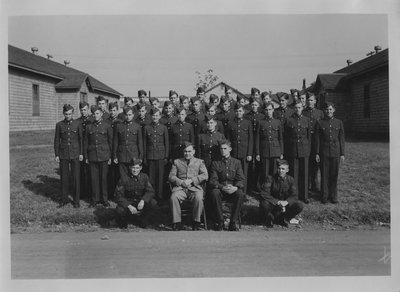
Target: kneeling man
<point>134,196</point>
<point>280,204</point>
<point>226,182</point>
<point>186,176</point>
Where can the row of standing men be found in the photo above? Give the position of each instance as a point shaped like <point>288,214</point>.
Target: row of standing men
<point>96,149</point>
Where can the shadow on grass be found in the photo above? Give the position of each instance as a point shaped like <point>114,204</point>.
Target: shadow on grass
<point>48,187</point>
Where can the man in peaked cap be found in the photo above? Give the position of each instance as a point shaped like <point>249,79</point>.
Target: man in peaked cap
<point>156,152</point>
<point>186,176</point>
<point>134,196</point>
<point>330,143</point>
<point>240,133</point>
<point>68,150</point>
<point>279,204</point>
<point>227,182</point>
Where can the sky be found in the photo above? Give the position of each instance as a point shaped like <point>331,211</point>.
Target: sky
<point>163,52</point>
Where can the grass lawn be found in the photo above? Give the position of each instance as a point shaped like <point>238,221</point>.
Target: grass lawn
<point>363,191</point>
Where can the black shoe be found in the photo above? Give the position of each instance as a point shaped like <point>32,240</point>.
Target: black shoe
<point>62,204</point>
<point>284,222</point>
<point>269,222</point>
<point>195,226</point>
<point>233,227</point>
<point>219,226</point>
<point>77,205</point>
<point>306,201</point>
<point>105,204</point>
<point>123,225</point>
<point>177,226</point>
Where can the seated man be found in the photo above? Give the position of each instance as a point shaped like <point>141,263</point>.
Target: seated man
<point>134,196</point>
<point>186,176</point>
<point>226,182</point>
<point>280,204</point>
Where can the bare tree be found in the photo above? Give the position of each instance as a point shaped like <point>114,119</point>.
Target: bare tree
<point>206,80</point>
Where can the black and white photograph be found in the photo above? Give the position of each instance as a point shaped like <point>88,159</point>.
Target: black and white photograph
<point>200,146</point>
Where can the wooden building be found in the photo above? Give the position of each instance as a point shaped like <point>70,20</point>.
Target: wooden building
<point>360,92</point>
<point>39,87</point>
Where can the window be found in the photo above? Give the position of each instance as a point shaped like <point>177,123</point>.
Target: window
<point>83,97</point>
<point>35,100</point>
<point>367,101</point>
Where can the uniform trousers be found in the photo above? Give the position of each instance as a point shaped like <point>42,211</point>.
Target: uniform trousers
<point>86,187</point>
<point>298,168</point>
<point>113,178</point>
<point>313,173</point>
<point>267,209</point>
<point>254,179</point>
<point>156,174</point>
<point>123,214</point>
<point>216,197</point>
<point>245,167</point>
<point>329,177</point>
<point>195,197</point>
<point>98,174</point>
<point>268,168</point>
<point>70,171</point>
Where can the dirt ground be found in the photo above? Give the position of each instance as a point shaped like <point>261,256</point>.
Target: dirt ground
<point>163,254</point>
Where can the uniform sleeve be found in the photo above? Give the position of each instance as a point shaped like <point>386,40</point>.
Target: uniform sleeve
<point>144,144</point>
<point>166,142</point>
<point>280,137</point>
<point>57,140</point>
<point>239,176</point>
<point>172,177</point>
<point>149,193</point>
<point>341,139</point>
<point>119,194</point>
<point>80,137</point>
<point>292,192</point>
<point>198,146</point>
<point>110,137</point>
<point>115,142</point>
<point>85,142</point>
<point>202,176</point>
<point>191,134</point>
<point>250,146</point>
<point>257,139</point>
<point>317,137</point>
<point>214,183</point>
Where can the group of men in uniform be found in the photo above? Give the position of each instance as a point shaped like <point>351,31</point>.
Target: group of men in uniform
<point>224,146</point>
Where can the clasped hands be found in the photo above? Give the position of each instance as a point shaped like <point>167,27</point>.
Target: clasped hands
<point>139,207</point>
<point>229,189</point>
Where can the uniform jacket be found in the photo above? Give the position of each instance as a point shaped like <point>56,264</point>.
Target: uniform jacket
<point>297,136</point>
<point>156,142</point>
<point>207,146</point>
<point>180,132</point>
<point>105,116</point>
<point>240,133</point>
<point>68,139</point>
<point>168,121</point>
<point>195,119</point>
<point>254,118</point>
<point>226,171</point>
<point>98,141</point>
<point>131,189</point>
<point>282,189</point>
<point>84,122</point>
<point>329,137</point>
<point>269,138</point>
<point>127,142</point>
<point>218,127</point>
<point>143,122</point>
<point>282,114</point>
<point>196,171</point>
<point>225,118</point>
<point>314,115</point>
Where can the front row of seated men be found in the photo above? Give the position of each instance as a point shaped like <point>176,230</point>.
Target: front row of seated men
<point>188,177</point>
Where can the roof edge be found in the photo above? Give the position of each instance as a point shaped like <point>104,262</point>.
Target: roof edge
<point>35,71</point>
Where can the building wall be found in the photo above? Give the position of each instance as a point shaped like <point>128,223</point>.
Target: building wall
<point>20,101</point>
<point>378,122</point>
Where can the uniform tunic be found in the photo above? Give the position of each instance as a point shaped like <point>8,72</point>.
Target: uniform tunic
<point>225,118</point>
<point>208,147</point>
<point>113,170</point>
<point>180,132</point>
<point>196,119</point>
<point>68,145</point>
<point>86,185</point>
<point>330,146</point>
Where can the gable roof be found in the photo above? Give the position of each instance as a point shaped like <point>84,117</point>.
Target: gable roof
<point>70,78</point>
<point>328,81</point>
<point>367,64</point>
<point>223,84</point>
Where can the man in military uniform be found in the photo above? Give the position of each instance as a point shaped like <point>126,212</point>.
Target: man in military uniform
<point>142,95</point>
<point>197,116</point>
<point>155,102</point>
<point>279,204</point>
<point>169,116</point>
<point>225,115</point>
<point>330,152</point>
<point>185,103</point>
<point>297,139</point>
<point>68,149</point>
<point>102,104</point>
<point>214,100</point>
<point>186,176</point>
<point>134,196</point>
<point>127,142</point>
<point>156,151</point>
<point>128,101</point>
<point>211,110</point>
<point>97,150</point>
<point>254,170</point>
<point>207,143</point>
<point>231,97</point>
<point>85,119</point>
<point>240,134</point>
<point>173,98</point>
<point>181,131</point>
<point>143,119</point>
<point>113,171</point>
<point>314,115</point>
<point>269,143</point>
<point>283,112</point>
<point>226,183</point>
<point>255,95</point>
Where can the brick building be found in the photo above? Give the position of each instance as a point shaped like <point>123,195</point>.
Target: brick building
<point>39,87</point>
<point>361,94</point>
